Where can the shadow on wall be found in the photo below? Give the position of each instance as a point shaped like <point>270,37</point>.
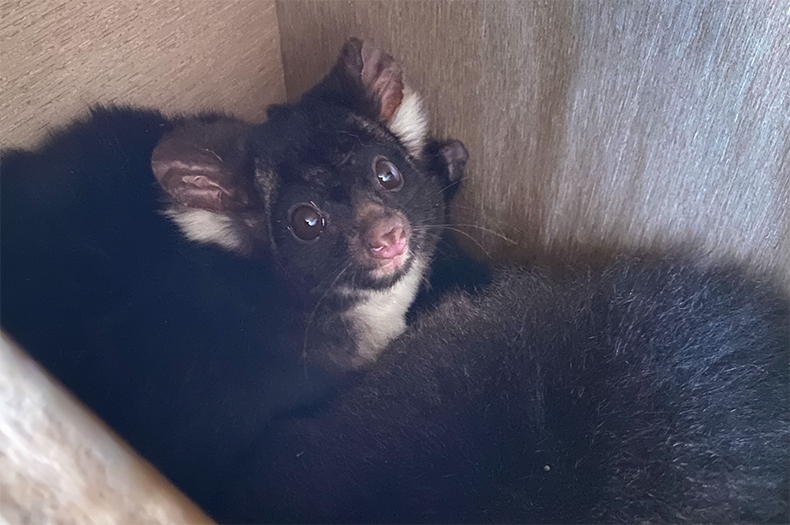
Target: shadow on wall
<point>592,126</point>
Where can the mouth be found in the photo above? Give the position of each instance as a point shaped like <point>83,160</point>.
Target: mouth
<point>387,272</point>
<point>391,266</point>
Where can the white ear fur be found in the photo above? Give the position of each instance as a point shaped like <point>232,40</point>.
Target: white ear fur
<point>410,123</point>
<point>207,227</point>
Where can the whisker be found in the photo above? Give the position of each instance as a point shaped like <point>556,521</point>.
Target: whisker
<point>440,190</point>
<point>482,228</point>
<point>501,224</point>
<point>419,190</point>
<point>315,310</point>
<point>343,302</point>
<point>450,228</point>
<point>488,218</point>
<point>488,230</point>
<point>440,251</point>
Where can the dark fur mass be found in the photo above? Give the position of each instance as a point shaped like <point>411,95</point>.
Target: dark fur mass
<point>651,391</point>
<point>151,264</point>
<point>165,339</point>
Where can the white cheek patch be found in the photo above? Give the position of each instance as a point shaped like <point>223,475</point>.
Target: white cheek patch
<point>207,227</point>
<point>410,123</point>
<point>380,316</point>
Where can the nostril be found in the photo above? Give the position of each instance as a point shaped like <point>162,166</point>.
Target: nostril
<point>393,236</point>
<point>389,243</point>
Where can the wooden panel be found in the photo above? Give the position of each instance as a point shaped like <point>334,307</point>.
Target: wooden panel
<point>592,125</point>
<point>57,57</point>
<point>59,464</point>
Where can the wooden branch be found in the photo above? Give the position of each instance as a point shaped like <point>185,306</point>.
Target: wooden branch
<point>60,464</point>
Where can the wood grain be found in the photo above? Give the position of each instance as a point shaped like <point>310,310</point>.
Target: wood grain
<point>592,126</point>
<point>60,465</point>
<point>57,57</point>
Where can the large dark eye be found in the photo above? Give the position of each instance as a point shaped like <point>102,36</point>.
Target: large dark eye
<point>388,175</point>
<point>306,222</point>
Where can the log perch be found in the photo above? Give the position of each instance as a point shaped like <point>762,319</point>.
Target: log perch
<point>60,465</point>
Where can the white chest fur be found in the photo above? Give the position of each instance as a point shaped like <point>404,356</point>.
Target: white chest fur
<point>380,316</point>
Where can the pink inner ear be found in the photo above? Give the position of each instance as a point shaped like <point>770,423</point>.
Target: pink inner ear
<point>205,197</point>
<point>382,78</point>
<point>202,182</point>
<point>201,165</point>
<point>193,190</point>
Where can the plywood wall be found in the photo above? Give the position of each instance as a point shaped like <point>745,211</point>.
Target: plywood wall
<point>57,57</point>
<point>592,125</point>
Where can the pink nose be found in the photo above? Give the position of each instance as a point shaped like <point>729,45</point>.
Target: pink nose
<point>388,239</point>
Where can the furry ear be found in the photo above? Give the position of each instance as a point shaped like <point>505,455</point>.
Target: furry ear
<point>204,164</point>
<point>369,80</point>
<point>378,76</point>
<point>447,160</point>
<point>454,156</point>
